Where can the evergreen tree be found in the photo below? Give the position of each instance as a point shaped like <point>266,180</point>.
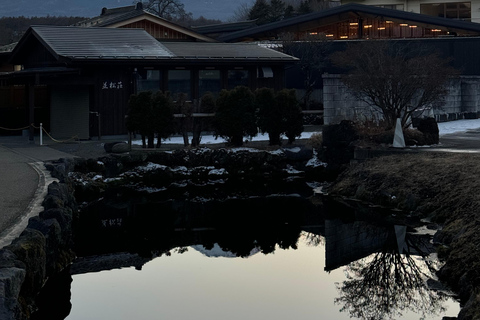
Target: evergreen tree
<point>260,12</point>
<point>286,101</point>
<point>235,116</point>
<point>140,117</point>
<point>304,7</point>
<point>277,10</point>
<point>269,116</point>
<point>289,12</point>
<point>162,112</point>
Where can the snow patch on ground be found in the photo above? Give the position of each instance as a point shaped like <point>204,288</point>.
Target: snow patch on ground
<point>458,126</point>
<point>444,128</point>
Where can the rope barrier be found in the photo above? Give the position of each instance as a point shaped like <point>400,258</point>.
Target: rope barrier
<point>74,138</point>
<point>17,129</point>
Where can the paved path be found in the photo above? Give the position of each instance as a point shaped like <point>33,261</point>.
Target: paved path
<point>23,183</point>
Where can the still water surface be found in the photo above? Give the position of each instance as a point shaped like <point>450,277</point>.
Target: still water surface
<point>285,284</point>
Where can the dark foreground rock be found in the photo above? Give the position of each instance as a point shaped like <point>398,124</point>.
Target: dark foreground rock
<point>438,186</point>
<point>42,250</point>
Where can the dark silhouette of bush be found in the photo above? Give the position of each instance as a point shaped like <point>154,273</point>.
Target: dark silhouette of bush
<point>270,118</point>
<point>150,114</point>
<point>139,117</point>
<point>278,113</point>
<point>293,117</point>
<point>162,113</point>
<point>235,116</point>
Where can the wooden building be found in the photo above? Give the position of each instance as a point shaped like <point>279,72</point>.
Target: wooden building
<point>88,74</point>
<point>356,21</point>
<point>136,17</point>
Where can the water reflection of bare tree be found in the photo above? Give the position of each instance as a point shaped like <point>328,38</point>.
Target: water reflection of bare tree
<point>387,285</point>
<point>313,239</point>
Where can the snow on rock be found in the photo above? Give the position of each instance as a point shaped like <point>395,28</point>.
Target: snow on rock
<point>315,162</point>
<point>293,150</point>
<point>236,150</point>
<point>218,172</point>
<point>151,189</point>
<point>291,170</point>
<point>151,167</point>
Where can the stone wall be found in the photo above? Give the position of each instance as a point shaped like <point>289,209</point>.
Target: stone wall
<point>461,102</point>
<point>43,249</point>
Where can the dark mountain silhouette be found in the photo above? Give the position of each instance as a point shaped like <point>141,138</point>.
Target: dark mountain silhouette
<point>211,9</point>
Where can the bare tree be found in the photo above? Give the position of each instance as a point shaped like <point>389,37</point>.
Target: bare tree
<point>241,13</point>
<point>168,9</point>
<point>395,78</point>
<point>312,50</point>
<point>390,283</point>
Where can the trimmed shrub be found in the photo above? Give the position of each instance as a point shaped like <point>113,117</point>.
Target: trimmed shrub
<point>235,116</point>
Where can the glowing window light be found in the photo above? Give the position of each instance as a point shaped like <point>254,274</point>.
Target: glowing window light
<point>313,33</point>
<point>354,23</point>
<point>436,30</point>
<point>403,24</point>
<point>388,21</point>
<point>329,35</point>
<point>343,37</point>
<point>381,28</point>
<point>412,26</point>
<point>368,26</point>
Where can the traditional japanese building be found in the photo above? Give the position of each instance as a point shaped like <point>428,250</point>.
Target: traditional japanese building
<point>136,17</point>
<point>86,75</point>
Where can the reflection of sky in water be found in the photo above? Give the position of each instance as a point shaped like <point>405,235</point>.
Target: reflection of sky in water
<point>288,284</point>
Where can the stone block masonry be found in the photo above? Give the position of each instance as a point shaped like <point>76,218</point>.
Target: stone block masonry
<point>461,102</point>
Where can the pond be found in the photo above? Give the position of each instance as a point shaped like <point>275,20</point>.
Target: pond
<point>239,260</point>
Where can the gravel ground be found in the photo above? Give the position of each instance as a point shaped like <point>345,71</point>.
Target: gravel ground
<point>95,149</point>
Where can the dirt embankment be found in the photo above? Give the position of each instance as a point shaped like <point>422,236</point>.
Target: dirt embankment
<point>444,187</point>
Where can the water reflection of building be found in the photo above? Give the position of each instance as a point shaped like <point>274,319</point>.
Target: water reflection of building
<point>348,242</point>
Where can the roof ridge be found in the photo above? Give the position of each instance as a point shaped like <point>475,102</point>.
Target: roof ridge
<point>106,11</point>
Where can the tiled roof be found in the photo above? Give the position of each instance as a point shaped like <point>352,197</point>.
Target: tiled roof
<point>111,44</point>
<point>100,43</point>
<point>203,50</point>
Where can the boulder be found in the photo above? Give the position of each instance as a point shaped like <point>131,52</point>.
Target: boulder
<point>121,147</point>
<point>109,146</point>
<point>429,128</point>
<point>30,248</point>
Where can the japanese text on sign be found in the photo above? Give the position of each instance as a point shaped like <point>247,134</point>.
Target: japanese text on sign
<point>112,85</point>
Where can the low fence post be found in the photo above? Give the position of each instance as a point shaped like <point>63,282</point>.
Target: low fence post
<point>41,134</point>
